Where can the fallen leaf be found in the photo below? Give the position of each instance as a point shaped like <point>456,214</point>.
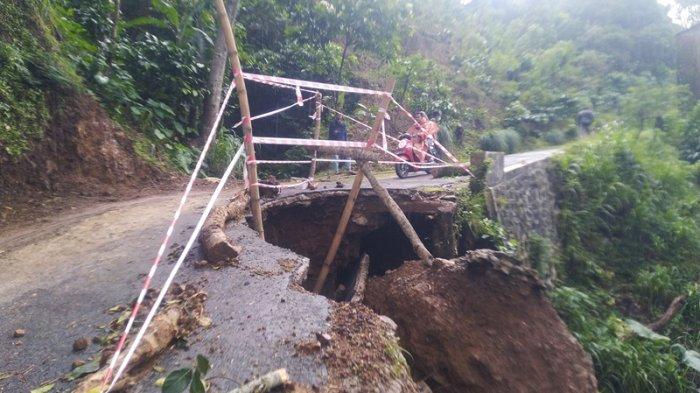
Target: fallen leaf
<point>159,382</point>
<point>645,332</point>
<point>158,369</point>
<point>5,376</point>
<point>692,359</point>
<point>116,308</point>
<point>87,368</point>
<point>43,389</point>
<point>204,322</point>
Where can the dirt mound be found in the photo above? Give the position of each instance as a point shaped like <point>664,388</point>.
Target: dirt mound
<point>82,153</point>
<point>81,149</point>
<point>482,325</point>
<point>364,355</point>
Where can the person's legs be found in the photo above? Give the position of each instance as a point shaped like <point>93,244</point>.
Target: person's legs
<point>334,164</point>
<point>347,165</point>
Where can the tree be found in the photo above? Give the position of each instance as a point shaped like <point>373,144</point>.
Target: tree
<point>215,79</point>
<point>642,104</point>
<point>367,24</point>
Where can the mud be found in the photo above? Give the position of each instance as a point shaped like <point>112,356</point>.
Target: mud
<point>306,223</point>
<point>482,325</point>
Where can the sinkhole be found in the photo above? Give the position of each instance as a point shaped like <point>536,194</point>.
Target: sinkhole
<point>305,223</point>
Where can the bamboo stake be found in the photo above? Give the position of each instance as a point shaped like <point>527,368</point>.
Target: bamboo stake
<point>317,132</point>
<point>354,192</point>
<point>398,215</point>
<point>225,25</point>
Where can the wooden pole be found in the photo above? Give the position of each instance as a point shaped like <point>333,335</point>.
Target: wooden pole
<point>225,25</point>
<point>354,192</point>
<point>317,132</point>
<point>398,215</point>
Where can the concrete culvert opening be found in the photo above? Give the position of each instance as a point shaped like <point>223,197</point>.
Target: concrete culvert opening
<point>306,223</point>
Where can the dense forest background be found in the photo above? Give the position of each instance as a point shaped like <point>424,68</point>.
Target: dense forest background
<point>502,74</point>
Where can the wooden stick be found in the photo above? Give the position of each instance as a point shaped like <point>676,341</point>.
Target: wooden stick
<point>245,115</point>
<point>354,191</point>
<point>358,293</point>
<point>676,305</point>
<point>317,132</point>
<point>398,215</point>
<point>265,383</point>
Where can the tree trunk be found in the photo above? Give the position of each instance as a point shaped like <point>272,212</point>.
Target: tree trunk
<point>676,305</point>
<point>117,14</point>
<point>216,78</point>
<point>342,60</point>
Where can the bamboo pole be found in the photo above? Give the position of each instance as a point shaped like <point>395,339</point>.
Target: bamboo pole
<point>225,25</point>
<point>398,215</point>
<point>317,132</point>
<point>354,192</point>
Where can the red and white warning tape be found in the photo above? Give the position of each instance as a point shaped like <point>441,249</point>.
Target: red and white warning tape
<point>311,85</point>
<point>166,239</point>
<point>173,272</point>
<point>276,111</point>
<point>264,140</point>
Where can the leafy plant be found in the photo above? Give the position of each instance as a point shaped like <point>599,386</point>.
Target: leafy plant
<point>179,380</point>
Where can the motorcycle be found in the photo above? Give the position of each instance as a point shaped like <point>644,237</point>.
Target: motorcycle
<point>408,153</point>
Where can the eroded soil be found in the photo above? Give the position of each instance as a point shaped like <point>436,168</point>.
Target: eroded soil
<point>482,325</point>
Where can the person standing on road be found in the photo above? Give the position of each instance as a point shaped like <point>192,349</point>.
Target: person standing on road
<point>337,131</point>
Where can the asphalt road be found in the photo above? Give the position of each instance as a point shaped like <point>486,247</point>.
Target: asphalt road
<point>59,278</point>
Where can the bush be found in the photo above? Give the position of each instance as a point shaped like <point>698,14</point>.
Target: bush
<point>506,140</point>
<point>623,362</point>
<point>690,139</point>
<point>555,137</point>
<point>222,153</point>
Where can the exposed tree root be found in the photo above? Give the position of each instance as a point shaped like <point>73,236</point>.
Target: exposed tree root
<point>159,335</point>
<point>217,246</point>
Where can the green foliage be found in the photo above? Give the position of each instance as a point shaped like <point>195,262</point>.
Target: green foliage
<point>690,141</point>
<point>30,68</point>
<point>471,220</point>
<point>625,205</point>
<point>222,153</point>
<point>643,104</point>
<point>179,380</point>
<point>623,362</point>
<point>506,140</point>
<point>629,227</point>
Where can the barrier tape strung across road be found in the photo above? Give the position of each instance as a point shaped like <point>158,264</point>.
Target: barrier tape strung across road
<point>274,112</point>
<point>265,140</point>
<point>312,85</point>
<point>166,239</point>
<point>173,272</point>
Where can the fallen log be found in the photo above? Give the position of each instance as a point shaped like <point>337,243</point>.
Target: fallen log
<point>676,305</point>
<point>162,331</point>
<point>358,291</point>
<point>265,383</point>
<point>217,246</point>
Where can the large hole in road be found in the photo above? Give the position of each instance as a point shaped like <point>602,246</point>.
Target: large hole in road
<point>306,223</point>
<point>483,325</point>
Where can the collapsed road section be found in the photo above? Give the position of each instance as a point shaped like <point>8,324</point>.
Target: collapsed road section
<point>480,322</point>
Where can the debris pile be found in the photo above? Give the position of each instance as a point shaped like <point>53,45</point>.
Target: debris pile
<point>483,324</point>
